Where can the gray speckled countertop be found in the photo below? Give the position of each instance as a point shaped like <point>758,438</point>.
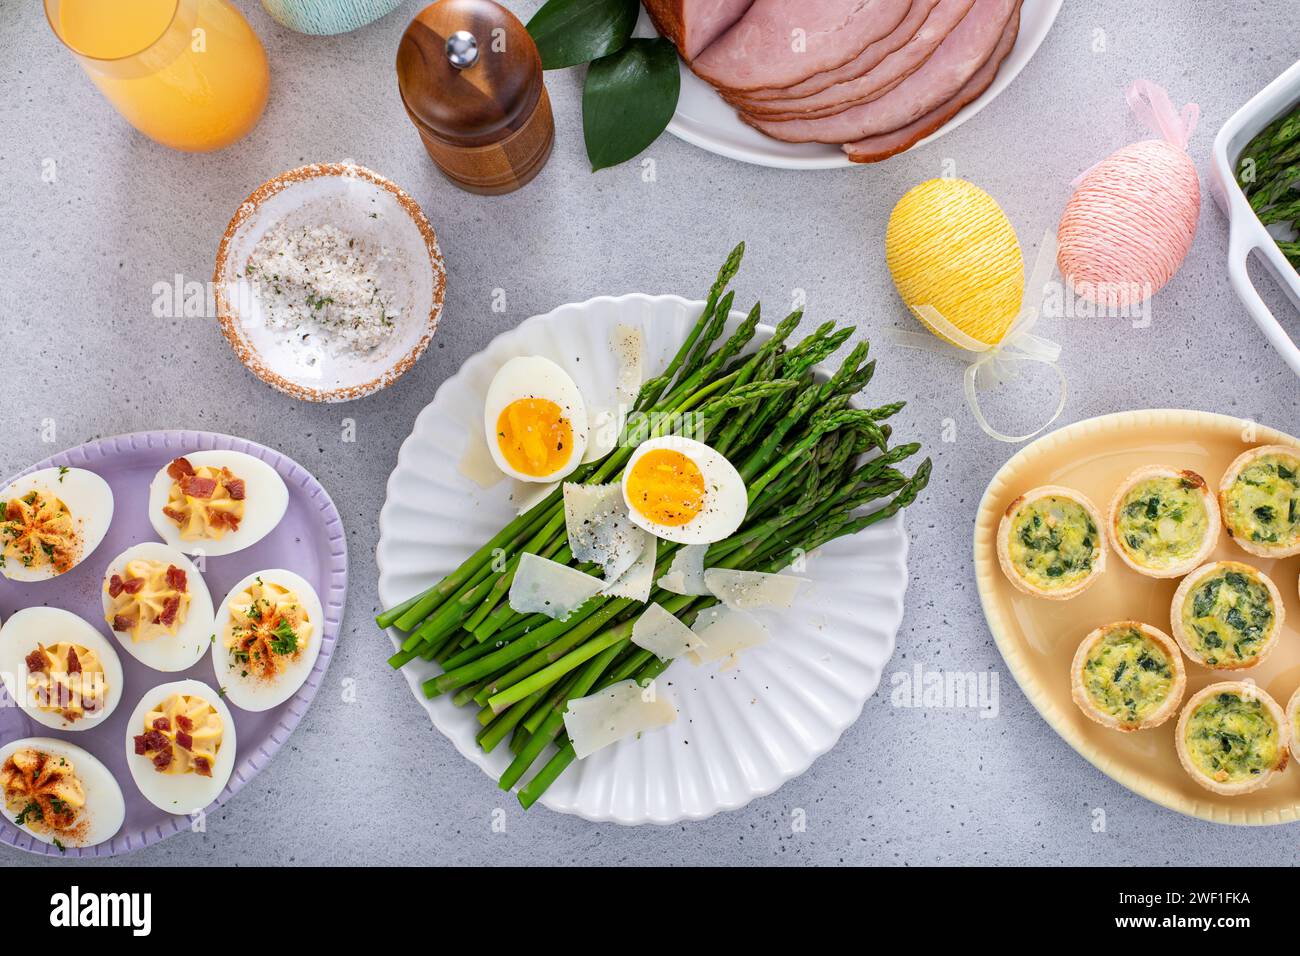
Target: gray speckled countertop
<point>903,786</point>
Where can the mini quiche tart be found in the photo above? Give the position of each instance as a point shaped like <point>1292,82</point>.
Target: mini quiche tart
<point>1050,543</point>
<point>1293,714</point>
<point>1260,499</point>
<point>1227,615</point>
<point>1163,522</point>
<point>1128,676</point>
<point>1232,737</point>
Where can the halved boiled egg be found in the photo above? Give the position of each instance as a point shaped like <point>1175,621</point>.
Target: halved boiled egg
<point>158,606</point>
<point>59,793</point>
<point>60,670</point>
<point>216,502</point>
<point>269,631</point>
<point>682,490</point>
<point>180,746</point>
<point>51,520</point>
<point>535,420</point>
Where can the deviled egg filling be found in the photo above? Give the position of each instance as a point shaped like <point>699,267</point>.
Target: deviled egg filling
<point>1227,617</point>
<point>267,627</point>
<point>1163,520</point>
<point>148,599</point>
<point>1232,738</point>
<point>39,531</point>
<point>1263,503</point>
<point>44,793</point>
<point>66,679</point>
<point>1053,542</point>
<point>1127,675</point>
<point>204,502</point>
<point>181,735</point>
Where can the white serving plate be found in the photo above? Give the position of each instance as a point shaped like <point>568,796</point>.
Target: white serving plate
<point>705,119</point>
<point>738,735</point>
<point>1246,234</point>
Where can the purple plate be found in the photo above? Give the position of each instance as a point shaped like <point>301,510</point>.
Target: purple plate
<point>309,540</point>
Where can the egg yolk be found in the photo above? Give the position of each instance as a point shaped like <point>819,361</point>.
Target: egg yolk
<point>666,487</point>
<point>534,436</point>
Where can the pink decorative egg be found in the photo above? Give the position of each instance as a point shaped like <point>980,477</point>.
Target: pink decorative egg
<point>1129,224</point>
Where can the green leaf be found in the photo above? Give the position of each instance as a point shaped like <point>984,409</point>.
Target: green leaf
<point>628,99</point>
<point>569,32</point>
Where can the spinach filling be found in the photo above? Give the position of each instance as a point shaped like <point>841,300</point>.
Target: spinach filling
<point>1163,520</point>
<point>1227,617</point>
<point>1263,504</point>
<point>1053,542</point>
<point>1127,675</point>
<point>1232,738</point>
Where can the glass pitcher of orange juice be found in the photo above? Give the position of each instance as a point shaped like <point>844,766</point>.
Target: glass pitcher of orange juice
<point>190,74</point>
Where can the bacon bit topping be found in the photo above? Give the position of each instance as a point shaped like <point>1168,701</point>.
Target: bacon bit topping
<point>122,623</point>
<point>195,487</point>
<point>235,488</point>
<point>167,617</point>
<point>13,510</point>
<point>162,723</point>
<point>175,515</point>
<point>179,468</point>
<point>163,759</point>
<point>74,662</point>
<point>224,519</point>
<point>176,579</point>
<point>38,662</point>
<point>133,585</point>
<point>203,766</point>
<point>184,723</point>
<point>185,740</point>
<point>115,585</point>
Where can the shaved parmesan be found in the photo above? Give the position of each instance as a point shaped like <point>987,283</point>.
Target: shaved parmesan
<point>725,634</point>
<point>528,494</point>
<point>686,573</point>
<point>599,529</point>
<point>745,590</point>
<point>476,462</point>
<point>547,587</point>
<point>616,712</point>
<point>661,633</point>
<point>635,583</point>
<point>629,345</point>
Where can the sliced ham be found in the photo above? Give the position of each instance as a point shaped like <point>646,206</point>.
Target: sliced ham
<point>891,71</point>
<point>694,24</point>
<point>864,61</point>
<point>875,148</point>
<point>938,80</point>
<point>780,43</point>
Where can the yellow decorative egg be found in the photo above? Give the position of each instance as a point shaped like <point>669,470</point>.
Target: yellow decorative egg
<point>949,245</point>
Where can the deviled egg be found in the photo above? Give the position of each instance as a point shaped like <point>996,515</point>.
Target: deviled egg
<point>216,502</point>
<point>682,490</point>
<point>59,669</point>
<point>51,520</point>
<point>269,631</point>
<point>535,420</point>
<point>59,793</point>
<point>158,606</point>
<point>180,746</point>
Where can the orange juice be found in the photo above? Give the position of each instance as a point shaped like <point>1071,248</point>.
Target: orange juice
<point>190,74</point>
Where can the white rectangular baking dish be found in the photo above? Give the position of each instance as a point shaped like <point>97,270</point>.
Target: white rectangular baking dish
<point>1245,232</point>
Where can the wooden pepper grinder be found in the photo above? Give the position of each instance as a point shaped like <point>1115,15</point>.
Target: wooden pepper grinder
<point>471,80</point>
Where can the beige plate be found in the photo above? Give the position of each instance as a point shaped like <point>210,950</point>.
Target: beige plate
<point>1038,638</point>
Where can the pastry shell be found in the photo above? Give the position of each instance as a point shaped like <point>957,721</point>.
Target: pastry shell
<point>1004,551</point>
<point>1158,716</point>
<point>1213,521</point>
<point>1185,588</point>
<point>1260,550</point>
<point>1244,688</point>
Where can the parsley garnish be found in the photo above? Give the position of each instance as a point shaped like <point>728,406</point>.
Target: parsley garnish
<point>32,809</point>
<point>286,641</point>
<point>63,470</point>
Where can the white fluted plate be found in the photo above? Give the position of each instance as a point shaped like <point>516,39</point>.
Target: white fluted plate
<point>740,733</point>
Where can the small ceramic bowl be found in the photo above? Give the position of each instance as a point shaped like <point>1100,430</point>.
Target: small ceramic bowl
<point>359,203</point>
